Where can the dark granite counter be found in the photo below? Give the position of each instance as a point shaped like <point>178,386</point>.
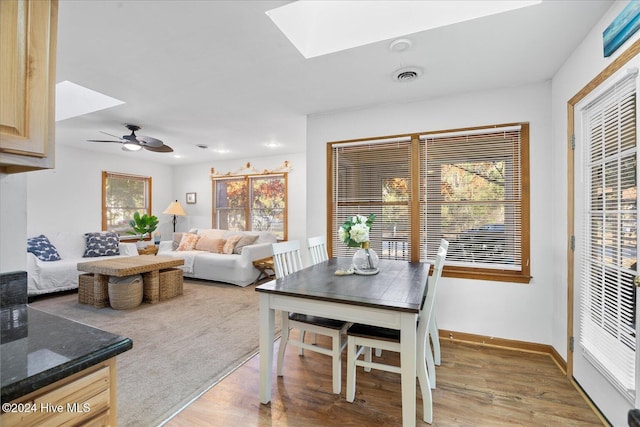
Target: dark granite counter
<point>38,349</point>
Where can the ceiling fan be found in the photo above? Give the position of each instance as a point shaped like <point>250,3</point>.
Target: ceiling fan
<point>134,142</point>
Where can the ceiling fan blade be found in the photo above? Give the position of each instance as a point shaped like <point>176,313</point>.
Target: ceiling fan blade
<point>149,141</point>
<point>100,140</point>
<point>162,149</point>
<point>106,133</point>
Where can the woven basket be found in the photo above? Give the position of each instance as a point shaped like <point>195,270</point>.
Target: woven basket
<point>171,283</point>
<point>85,289</point>
<point>125,292</point>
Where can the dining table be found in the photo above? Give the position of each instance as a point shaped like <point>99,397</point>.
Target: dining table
<point>390,299</point>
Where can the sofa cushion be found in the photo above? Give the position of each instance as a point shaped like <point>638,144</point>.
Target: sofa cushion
<point>245,240</point>
<point>206,243</point>
<point>188,242</point>
<point>230,245</point>
<point>103,243</point>
<point>42,248</point>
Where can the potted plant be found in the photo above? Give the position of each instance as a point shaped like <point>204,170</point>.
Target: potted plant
<point>142,225</point>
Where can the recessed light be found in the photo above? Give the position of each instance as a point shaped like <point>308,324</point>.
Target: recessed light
<point>272,144</point>
<point>400,45</point>
<point>203,146</point>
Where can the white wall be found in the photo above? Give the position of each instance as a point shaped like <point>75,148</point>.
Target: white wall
<point>69,197</point>
<point>196,178</point>
<point>504,310</point>
<point>13,222</point>
<point>582,66</point>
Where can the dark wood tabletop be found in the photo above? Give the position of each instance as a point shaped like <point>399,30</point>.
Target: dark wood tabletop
<point>398,286</point>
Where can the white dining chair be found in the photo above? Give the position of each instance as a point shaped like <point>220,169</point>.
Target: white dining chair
<point>433,344</point>
<point>318,249</point>
<point>362,338</point>
<point>287,260</point>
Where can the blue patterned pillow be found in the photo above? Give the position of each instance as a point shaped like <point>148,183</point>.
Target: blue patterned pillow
<point>42,248</point>
<point>103,243</point>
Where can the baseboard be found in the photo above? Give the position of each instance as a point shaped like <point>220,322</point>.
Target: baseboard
<point>506,343</point>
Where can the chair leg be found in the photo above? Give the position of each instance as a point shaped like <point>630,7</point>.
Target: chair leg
<point>367,358</point>
<point>302,335</point>
<point>435,338</point>
<point>313,338</point>
<point>284,337</point>
<point>425,387</point>
<point>351,369</point>
<point>336,357</point>
<point>431,367</point>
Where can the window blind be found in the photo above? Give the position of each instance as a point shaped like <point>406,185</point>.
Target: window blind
<point>471,195</point>
<point>607,298</point>
<point>373,177</point>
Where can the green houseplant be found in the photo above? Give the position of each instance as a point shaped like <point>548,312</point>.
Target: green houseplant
<point>143,224</point>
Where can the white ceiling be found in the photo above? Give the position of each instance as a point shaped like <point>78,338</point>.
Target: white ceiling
<point>220,73</point>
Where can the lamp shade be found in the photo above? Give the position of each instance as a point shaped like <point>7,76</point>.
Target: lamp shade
<point>175,208</point>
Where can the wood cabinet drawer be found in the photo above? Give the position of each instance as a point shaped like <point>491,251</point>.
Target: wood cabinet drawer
<point>84,398</point>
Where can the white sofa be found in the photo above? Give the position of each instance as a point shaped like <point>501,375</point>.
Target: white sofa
<point>236,269</point>
<point>53,276</point>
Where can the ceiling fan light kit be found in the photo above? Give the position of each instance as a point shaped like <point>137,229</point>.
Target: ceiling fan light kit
<point>134,142</point>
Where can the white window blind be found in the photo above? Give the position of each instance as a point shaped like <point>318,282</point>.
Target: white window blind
<point>608,300</point>
<point>373,177</point>
<point>471,193</point>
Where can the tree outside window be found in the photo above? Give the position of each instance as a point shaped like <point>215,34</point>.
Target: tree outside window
<point>252,203</point>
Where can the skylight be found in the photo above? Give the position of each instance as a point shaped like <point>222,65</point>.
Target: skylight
<point>320,27</point>
<point>73,100</point>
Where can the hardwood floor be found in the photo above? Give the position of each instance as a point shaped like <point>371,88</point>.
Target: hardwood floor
<point>476,386</point>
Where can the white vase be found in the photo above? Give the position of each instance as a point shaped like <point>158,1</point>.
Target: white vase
<point>365,260</point>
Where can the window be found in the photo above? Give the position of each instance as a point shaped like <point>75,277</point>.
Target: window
<point>467,186</point>
<point>122,196</point>
<point>251,202</point>
<point>373,177</point>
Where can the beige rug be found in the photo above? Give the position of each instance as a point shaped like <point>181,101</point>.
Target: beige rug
<point>181,347</point>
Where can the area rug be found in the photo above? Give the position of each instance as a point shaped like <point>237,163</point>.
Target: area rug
<point>181,347</point>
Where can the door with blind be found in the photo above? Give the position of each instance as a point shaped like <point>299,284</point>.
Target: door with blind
<point>606,224</point>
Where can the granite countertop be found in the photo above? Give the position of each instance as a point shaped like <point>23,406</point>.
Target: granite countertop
<point>38,349</point>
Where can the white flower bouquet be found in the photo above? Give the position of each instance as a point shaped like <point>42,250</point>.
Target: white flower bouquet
<point>355,230</point>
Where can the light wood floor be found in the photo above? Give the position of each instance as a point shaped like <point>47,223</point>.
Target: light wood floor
<point>476,386</point>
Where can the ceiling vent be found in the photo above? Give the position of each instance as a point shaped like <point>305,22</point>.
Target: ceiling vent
<point>204,147</point>
<point>406,74</point>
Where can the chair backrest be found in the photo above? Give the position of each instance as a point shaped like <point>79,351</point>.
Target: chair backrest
<point>432,283</point>
<point>286,258</point>
<point>318,249</point>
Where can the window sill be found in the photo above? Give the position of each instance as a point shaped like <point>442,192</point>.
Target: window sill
<point>487,274</point>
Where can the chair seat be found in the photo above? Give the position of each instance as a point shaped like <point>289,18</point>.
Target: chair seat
<point>374,332</point>
<point>318,321</point>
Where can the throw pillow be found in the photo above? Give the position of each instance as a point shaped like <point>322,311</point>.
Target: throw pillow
<point>213,233</point>
<point>230,245</point>
<point>42,248</point>
<point>206,243</point>
<point>246,240</point>
<point>103,243</point>
<point>188,242</point>
<point>176,240</point>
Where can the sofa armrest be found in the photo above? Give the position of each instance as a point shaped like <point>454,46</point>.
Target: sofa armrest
<point>165,246</point>
<point>128,249</point>
<point>253,252</point>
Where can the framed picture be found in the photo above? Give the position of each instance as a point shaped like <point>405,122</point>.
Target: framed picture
<point>191,198</point>
<point>622,27</point>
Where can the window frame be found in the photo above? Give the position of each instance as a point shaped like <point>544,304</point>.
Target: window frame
<point>418,242</point>
<point>248,208</point>
<point>148,181</point>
